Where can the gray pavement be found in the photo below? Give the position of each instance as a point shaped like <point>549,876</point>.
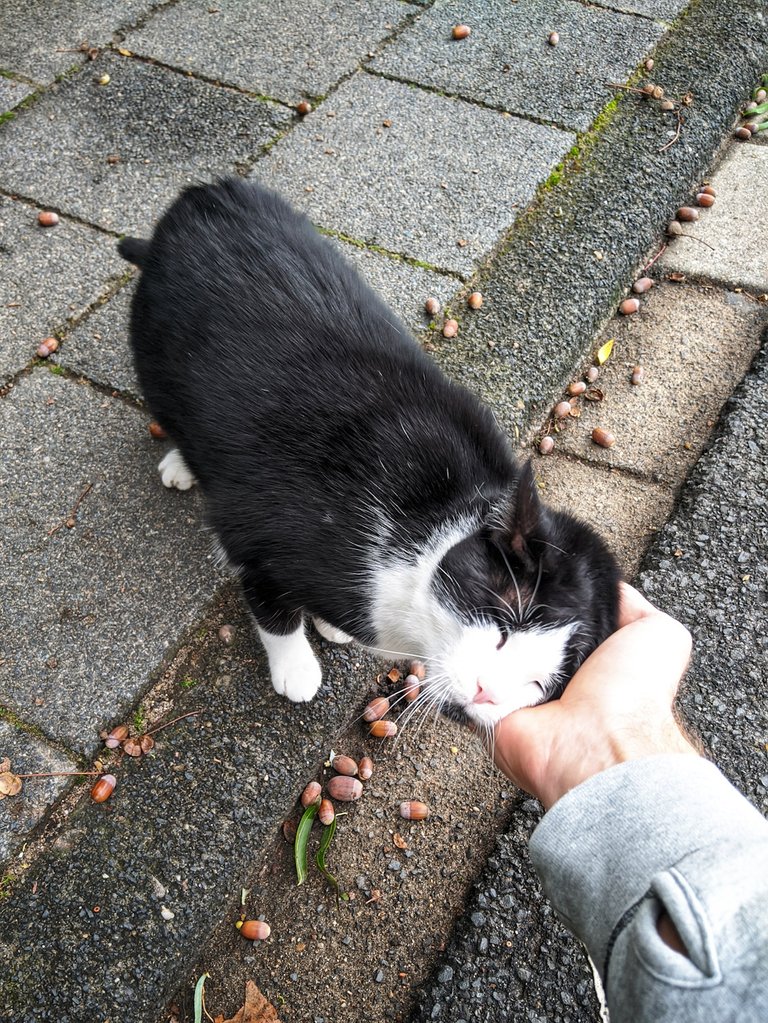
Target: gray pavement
<point>436,165</point>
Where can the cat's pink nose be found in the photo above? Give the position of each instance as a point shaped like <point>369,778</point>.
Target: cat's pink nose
<point>482,695</point>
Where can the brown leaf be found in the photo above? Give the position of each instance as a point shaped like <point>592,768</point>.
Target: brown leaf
<point>399,841</point>
<point>256,1008</point>
<point>10,784</point>
<point>5,765</point>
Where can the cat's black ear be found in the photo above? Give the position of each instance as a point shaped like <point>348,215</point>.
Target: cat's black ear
<point>526,521</point>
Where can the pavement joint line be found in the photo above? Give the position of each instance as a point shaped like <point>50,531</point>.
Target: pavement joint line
<point>73,217</point>
<point>630,14</point>
<point>626,471</point>
<point>11,718</point>
<point>397,257</point>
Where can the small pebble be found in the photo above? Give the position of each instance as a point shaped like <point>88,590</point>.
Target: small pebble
<point>546,446</point>
<point>629,306</point>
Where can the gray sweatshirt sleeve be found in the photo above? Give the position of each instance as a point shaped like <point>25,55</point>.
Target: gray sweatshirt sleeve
<point>663,832</point>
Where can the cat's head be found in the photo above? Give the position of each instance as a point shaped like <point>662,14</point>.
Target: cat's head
<point>521,602</point>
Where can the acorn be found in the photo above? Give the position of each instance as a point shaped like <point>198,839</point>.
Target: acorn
<point>326,812</point>
<point>227,634</point>
<point>707,190</point>
<point>344,788</point>
<point>376,709</point>
<point>47,218</point>
<point>553,38</point>
<point>642,285</point>
<point>576,387</point>
<point>365,770</point>
<point>414,810</point>
<point>47,347</point>
<point>450,328</point>
<point>344,765</point>
<point>561,410</point>
<point>116,736</point>
<point>674,228</point>
<point>592,374</point>
<point>687,214</point>
<point>311,794</point>
<point>419,669</point>
<point>383,729</point>
<point>629,306</point>
<point>637,376</point>
<point>147,743</point>
<point>546,446</point>
<point>475,300</point>
<point>303,108</point>
<point>132,747</point>
<point>432,307</point>
<point>156,431</point>
<point>461,31</point>
<point>412,688</point>
<point>254,930</point>
<point>705,199</point>
<point>103,788</point>
<point>604,438</point>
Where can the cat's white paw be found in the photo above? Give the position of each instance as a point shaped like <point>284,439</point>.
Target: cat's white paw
<point>297,679</point>
<point>174,471</point>
<point>330,633</point>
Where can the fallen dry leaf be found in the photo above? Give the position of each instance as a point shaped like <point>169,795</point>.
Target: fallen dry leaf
<point>10,784</point>
<point>5,765</point>
<point>399,841</point>
<point>604,352</point>
<point>256,1008</point>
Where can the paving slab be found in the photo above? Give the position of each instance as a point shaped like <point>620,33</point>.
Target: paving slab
<point>451,176</point>
<point>273,47</point>
<point>625,510</point>
<point>507,61</point>
<point>694,345</point>
<point>729,243</point>
<point>98,348</point>
<point>90,611</point>
<point>709,569</point>
<point>12,92</point>
<point>50,276</point>
<point>20,814</point>
<point>167,130</point>
<point>662,10</point>
<point>42,41</point>
<point>108,920</point>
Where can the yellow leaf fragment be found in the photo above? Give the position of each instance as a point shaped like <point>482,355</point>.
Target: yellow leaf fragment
<point>125,53</point>
<point>604,352</point>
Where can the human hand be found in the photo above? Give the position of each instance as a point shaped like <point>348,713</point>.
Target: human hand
<point>618,706</point>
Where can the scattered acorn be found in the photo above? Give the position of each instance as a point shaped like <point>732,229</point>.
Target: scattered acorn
<point>117,736</point>
<point>576,387</point>
<point>412,688</point>
<point>103,788</point>
<point>592,374</point>
<point>147,743</point>
<point>311,794</point>
<point>303,108</point>
<point>461,31</point>
<point>343,788</point>
<point>604,438</point>
<point>419,669</point>
<point>344,765</point>
<point>376,709</point>
<point>227,634</point>
<point>450,328</point>
<point>667,105</point>
<point>674,228</point>
<point>414,810</point>
<point>156,431</point>
<point>705,199</point>
<point>47,218</point>
<point>743,134</point>
<point>546,446</point>
<point>383,729</point>
<point>475,300</point>
<point>562,409</point>
<point>688,214</point>
<point>637,376</point>
<point>553,38</point>
<point>629,306</point>
<point>132,747</point>
<point>326,812</point>
<point>254,930</point>
<point>642,285</point>
<point>432,307</point>
<point>365,770</point>
<point>47,347</point>
<point>707,190</point>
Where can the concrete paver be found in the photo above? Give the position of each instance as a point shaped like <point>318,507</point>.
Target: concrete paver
<point>508,63</point>
<point>694,345</point>
<point>665,10</point>
<point>165,129</point>
<point>272,47</point>
<point>89,611</point>
<point>50,275</point>
<point>19,814</point>
<point>440,182</point>
<point>729,243</point>
<point>12,93</point>
<point>42,40</point>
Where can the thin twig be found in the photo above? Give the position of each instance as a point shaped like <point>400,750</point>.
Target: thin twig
<point>658,254</point>
<point>695,239</point>
<point>69,521</point>
<point>676,136</point>
<point>173,721</point>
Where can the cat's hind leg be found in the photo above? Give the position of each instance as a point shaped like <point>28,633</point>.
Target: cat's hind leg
<point>174,471</point>
<point>330,633</point>
<point>293,667</point>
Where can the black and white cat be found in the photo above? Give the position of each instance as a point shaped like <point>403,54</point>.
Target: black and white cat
<point>346,477</point>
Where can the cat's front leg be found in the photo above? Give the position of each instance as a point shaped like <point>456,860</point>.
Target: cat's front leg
<point>293,667</point>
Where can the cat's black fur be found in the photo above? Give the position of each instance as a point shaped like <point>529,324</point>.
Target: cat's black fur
<point>321,433</point>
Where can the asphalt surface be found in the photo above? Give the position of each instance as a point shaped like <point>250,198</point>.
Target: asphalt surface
<point>436,167</point>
